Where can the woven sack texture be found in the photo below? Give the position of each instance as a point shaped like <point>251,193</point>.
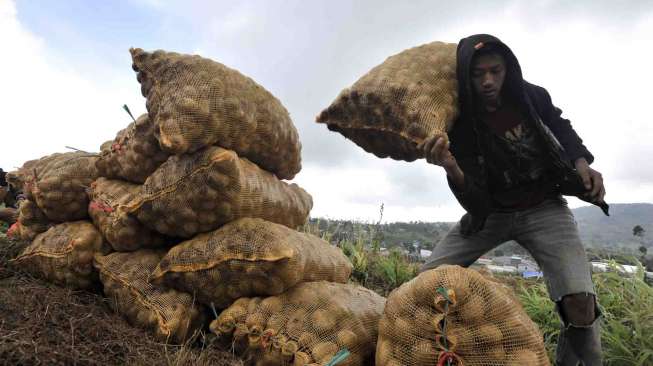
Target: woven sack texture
<point>58,183</point>
<point>173,316</point>
<point>134,154</point>
<point>197,102</point>
<point>482,324</point>
<point>31,220</point>
<point>200,192</point>
<point>249,257</point>
<point>64,254</point>
<point>396,105</point>
<point>122,230</point>
<point>309,324</point>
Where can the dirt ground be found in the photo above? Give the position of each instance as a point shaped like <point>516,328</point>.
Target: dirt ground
<point>44,324</point>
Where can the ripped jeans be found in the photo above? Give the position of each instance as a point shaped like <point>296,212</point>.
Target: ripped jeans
<point>549,233</point>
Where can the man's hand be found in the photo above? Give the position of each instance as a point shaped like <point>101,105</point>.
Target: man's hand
<point>436,151</point>
<point>592,179</point>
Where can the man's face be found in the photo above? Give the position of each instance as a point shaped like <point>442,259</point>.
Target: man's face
<point>488,75</point>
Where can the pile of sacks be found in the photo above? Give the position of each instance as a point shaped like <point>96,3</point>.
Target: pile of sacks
<point>185,212</point>
<point>184,221</point>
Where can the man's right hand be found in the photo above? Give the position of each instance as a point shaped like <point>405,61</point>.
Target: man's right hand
<point>436,151</point>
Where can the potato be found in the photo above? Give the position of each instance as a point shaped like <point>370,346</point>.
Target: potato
<point>324,351</point>
<point>302,359</point>
<point>523,357</point>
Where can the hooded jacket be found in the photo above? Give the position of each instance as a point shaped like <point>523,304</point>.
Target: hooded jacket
<point>561,143</point>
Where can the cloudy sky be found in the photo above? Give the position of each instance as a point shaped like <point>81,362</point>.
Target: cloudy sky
<point>65,73</point>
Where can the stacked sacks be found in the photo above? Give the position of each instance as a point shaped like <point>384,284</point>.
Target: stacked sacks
<point>31,222</point>
<point>58,183</point>
<point>196,102</point>
<point>172,315</point>
<point>455,313</point>
<point>199,192</point>
<point>134,154</point>
<point>309,324</point>
<point>399,103</point>
<point>123,231</point>
<point>249,257</point>
<point>64,254</point>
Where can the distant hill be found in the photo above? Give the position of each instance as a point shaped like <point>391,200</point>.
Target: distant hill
<point>596,229</point>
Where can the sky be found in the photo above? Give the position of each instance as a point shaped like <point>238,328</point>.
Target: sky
<point>65,72</point>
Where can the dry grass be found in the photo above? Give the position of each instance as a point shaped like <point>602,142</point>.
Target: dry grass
<point>43,324</point>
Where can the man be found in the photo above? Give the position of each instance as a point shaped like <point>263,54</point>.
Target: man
<point>8,213</point>
<point>509,159</point>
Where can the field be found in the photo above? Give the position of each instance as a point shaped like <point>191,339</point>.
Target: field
<point>42,323</point>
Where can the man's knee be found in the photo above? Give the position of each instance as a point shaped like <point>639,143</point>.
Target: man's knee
<point>578,310</point>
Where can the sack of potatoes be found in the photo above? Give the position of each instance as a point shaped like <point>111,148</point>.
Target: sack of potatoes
<point>64,254</point>
<point>173,316</point>
<point>249,257</point>
<point>31,220</point>
<point>310,324</point>
<point>58,183</point>
<point>134,154</point>
<point>122,230</point>
<point>457,313</point>
<point>197,102</point>
<point>200,192</point>
<point>399,103</point>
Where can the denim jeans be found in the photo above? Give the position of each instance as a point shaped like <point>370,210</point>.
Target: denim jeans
<point>548,231</point>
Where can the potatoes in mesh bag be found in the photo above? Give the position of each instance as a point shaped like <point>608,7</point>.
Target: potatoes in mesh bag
<point>457,309</point>
<point>58,183</point>
<point>134,154</point>
<point>122,230</point>
<point>197,102</point>
<point>396,105</point>
<point>31,221</point>
<point>173,316</point>
<point>249,257</point>
<point>308,324</point>
<point>64,254</point>
<point>200,192</point>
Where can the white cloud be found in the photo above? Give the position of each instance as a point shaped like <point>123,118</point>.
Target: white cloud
<point>47,105</point>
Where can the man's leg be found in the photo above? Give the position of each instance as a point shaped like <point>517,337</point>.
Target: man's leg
<point>549,233</point>
<point>457,249</point>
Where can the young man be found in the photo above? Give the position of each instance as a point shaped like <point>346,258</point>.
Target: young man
<point>509,159</point>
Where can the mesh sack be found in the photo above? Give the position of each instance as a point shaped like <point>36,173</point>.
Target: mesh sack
<point>58,182</point>
<point>24,178</point>
<point>200,192</point>
<point>64,254</point>
<point>456,313</point>
<point>122,230</point>
<point>197,102</point>
<point>396,105</point>
<point>8,215</point>
<point>173,316</point>
<point>309,324</point>
<point>249,257</point>
<point>31,220</point>
<point>134,154</point>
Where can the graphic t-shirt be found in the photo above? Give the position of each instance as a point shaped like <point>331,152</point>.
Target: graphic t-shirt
<point>516,164</point>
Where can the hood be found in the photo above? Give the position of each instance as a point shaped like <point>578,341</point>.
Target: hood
<point>467,47</point>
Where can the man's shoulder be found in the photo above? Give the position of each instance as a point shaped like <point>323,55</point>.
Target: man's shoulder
<point>536,91</point>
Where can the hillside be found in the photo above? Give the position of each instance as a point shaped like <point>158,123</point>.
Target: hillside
<point>596,229</point>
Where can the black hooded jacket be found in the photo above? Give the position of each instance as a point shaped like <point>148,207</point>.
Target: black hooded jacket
<point>561,143</point>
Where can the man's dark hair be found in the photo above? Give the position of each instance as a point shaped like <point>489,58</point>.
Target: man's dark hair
<point>489,49</point>
<point>3,178</point>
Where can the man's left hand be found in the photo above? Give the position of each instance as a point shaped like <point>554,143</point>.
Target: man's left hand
<point>592,180</point>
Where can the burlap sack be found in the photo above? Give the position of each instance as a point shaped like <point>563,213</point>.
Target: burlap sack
<point>249,257</point>
<point>200,192</point>
<point>64,254</point>
<point>122,230</point>
<point>309,324</point>
<point>173,316</point>
<point>31,221</point>
<point>456,310</point>
<point>409,97</point>
<point>197,102</point>
<point>134,154</point>
<point>58,183</point>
